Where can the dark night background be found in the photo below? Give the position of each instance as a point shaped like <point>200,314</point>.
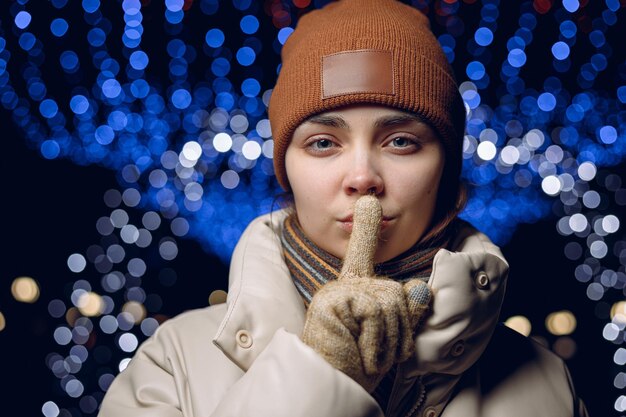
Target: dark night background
<point>49,209</point>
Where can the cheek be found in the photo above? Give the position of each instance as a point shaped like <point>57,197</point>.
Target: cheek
<point>418,191</point>
<point>309,185</point>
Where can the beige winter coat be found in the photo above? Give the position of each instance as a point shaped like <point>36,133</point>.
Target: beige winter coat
<point>244,358</point>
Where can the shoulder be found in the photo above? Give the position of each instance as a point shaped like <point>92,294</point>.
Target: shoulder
<point>516,371</point>
<point>261,237</point>
<point>267,225</point>
<point>190,327</point>
<point>513,352</point>
<point>259,250</point>
<point>470,258</point>
<point>470,240</point>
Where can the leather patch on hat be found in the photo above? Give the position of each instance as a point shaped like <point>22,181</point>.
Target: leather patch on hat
<point>362,71</point>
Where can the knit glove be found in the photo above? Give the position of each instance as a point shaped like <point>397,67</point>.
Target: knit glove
<point>363,324</point>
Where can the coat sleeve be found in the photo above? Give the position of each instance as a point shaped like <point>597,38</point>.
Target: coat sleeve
<point>290,379</point>
<point>469,287</point>
<point>147,387</point>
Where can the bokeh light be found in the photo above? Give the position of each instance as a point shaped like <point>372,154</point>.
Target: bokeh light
<point>217,297</point>
<point>561,323</point>
<point>25,289</point>
<point>520,324</point>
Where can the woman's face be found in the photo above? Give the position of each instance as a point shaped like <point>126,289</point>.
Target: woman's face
<point>338,156</point>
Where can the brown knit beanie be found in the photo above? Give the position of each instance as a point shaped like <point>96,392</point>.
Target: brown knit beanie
<point>367,51</point>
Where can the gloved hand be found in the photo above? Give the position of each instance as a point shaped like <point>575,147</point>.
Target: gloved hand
<point>360,323</point>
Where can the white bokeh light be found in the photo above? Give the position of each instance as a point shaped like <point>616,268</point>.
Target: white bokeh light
<point>551,185</point>
<point>578,222</point>
<point>128,342</point>
<point>222,142</point>
<point>534,139</point>
<point>263,128</point>
<point>123,364</point>
<point>486,150</point>
<point>251,150</point>
<point>610,223</point>
<point>509,155</point>
<point>76,262</point>
<point>587,171</point>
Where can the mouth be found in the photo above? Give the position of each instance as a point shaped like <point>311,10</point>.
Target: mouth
<point>346,223</point>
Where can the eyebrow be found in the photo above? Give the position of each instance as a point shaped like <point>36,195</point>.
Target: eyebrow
<point>387,121</point>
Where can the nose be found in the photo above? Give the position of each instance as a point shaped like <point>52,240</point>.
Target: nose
<point>363,176</point>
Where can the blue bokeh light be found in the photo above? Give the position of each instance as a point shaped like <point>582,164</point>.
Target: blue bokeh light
<point>249,24</point>
<point>621,94</point>
<point>104,135</point>
<point>79,104</point>
<point>546,102</point>
<point>96,37</point>
<point>560,50</point>
<point>91,6</point>
<point>48,108</point>
<point>483,36</point>
<point>50,149</point>
<point>283,34</point>
<point>246,56</point>
<point>250,87</point>
<point>59,27</point>
<point>181,98</point>
<point>140,88</point>
<point>111,88</point>
<point>37,90</point>
<point>571,5</point>
<point>174,5</point>
<point>176,48</point>
<point>69,61</point>
<point>607,134</point>
<point>22,19</point>
<point>568,29</point>
<point>27,41</point>
<point>138,60</point>
<point>214,38</point>
<point>597,38</point>
<point>475,70</point>
<point>242,4</point>
<point>59,4</point>
<point>220,67</point>
<point>517,58</point>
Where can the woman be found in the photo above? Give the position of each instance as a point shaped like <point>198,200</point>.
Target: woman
<point>365,110</point>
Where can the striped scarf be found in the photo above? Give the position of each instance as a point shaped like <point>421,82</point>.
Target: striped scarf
<point>311,267</point>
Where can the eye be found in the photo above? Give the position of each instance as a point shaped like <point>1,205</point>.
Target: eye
<point>403,145</point>
<point>401,142</point>
<point>320,146</point>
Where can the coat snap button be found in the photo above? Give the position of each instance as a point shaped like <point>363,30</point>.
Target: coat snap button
<point>244,339</point>
<point>482,280</point>
<point>430,412</point>
<point>458,348</point>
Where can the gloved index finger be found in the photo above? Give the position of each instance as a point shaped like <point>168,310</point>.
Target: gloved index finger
<point>359,259</point>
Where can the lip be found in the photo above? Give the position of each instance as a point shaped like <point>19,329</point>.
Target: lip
<point>346,223</point>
